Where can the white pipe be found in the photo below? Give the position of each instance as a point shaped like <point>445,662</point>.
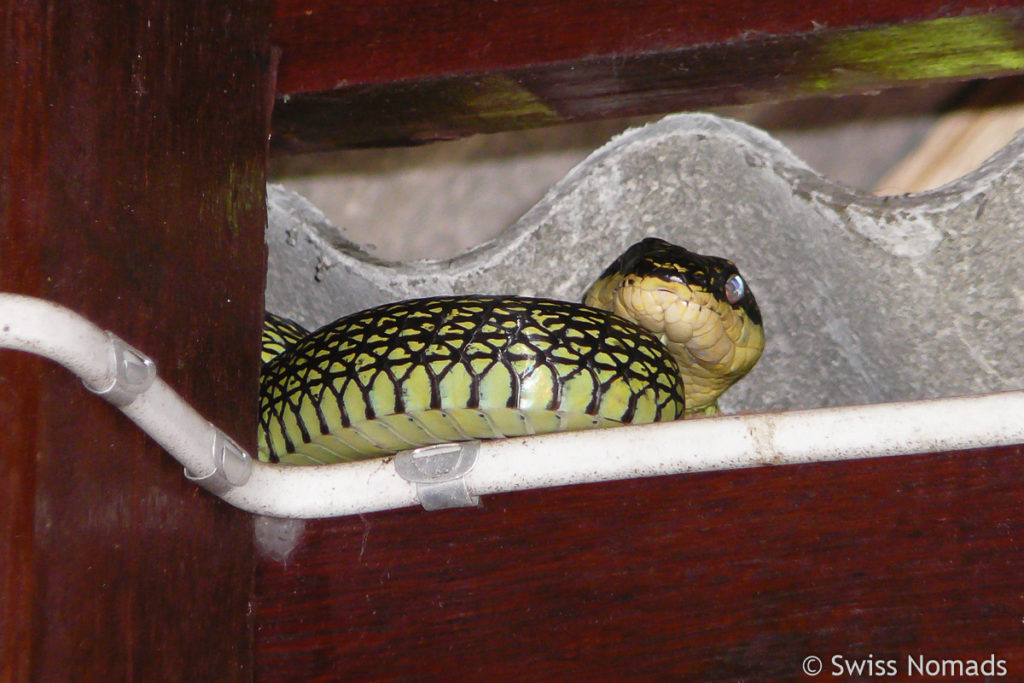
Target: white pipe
<point>741,441</point>
<point>520,463</point>
<point>323,491</point>
<point>49,330</point>
<point>721,443</point>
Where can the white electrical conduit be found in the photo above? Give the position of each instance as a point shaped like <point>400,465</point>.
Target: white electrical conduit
<point>495,466</point>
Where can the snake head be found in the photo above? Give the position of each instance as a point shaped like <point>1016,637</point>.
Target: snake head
<point>700,307</point>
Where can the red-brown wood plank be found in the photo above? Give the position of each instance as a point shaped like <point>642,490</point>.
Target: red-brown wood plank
<point>366,42</point>
<point>132,165</point>
<point>400,72</point>
<point>720,576</point>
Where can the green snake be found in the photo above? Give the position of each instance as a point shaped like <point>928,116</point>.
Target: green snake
<point>660,335</point>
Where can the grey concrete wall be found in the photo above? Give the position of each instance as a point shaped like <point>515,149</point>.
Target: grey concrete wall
<point>865,299</point>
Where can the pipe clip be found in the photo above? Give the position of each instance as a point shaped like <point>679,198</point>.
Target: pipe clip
<point>232,466</point>
<point>131,372</point>
<point>439,473</point>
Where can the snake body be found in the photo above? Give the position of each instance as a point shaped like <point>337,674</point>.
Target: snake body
<point>443,369</point>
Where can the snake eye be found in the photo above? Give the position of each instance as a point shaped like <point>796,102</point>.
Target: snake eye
<point>735,288</point>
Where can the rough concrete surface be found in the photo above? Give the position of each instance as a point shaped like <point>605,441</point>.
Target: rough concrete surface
<point>865,298</point>
<point>440,200</point>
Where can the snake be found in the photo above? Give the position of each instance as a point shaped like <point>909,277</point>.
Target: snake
<point>659,336</point>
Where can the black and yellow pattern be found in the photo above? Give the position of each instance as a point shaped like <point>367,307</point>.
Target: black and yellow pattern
<point>455,368</point>
<point>279,335</point>
<point>662,334</point>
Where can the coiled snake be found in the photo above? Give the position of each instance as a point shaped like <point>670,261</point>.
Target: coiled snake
<point>662,333</point>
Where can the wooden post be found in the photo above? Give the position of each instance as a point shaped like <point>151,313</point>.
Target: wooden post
<point>132,155</point>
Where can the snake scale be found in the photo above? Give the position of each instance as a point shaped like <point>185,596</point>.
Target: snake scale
<point>660,335</point>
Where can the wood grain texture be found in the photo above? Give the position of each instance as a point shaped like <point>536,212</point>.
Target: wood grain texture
<point>387,73</point>
<point>984,121</point>
<point>363,42</point>
<point>132,162</point>
<point>720,576</point>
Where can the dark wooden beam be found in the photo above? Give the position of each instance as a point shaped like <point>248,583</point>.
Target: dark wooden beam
<point>721,576</point>
<point>132,165</point>
<point>385,73</point>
